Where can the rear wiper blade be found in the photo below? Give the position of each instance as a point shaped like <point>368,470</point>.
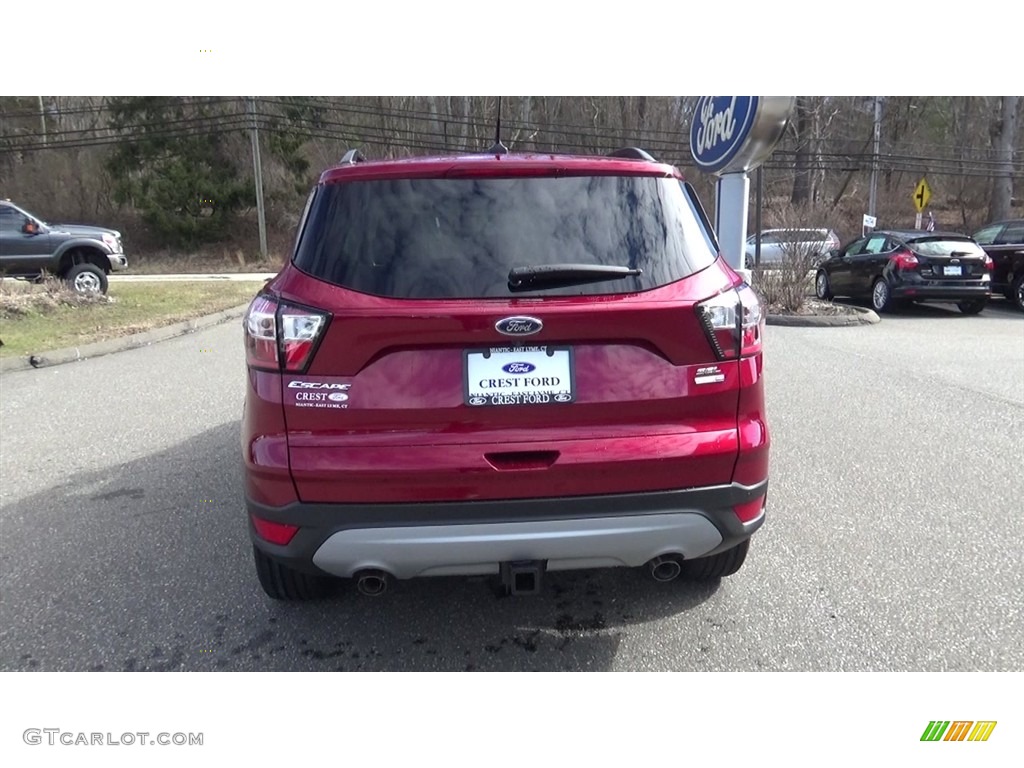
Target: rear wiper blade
<point>551,275</point>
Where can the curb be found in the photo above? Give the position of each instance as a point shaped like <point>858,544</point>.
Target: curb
<point>100,348</point>
<point>863,316</point>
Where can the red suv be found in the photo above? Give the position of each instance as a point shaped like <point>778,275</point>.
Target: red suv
<point>502,364</point>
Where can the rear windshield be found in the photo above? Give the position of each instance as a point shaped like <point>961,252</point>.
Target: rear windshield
<point>458,238</point>
<point>946,247</point>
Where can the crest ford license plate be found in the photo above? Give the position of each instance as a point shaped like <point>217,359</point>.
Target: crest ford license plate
<point>518,376</point>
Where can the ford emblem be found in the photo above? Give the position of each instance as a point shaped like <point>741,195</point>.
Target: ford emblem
<point>518,368</point>
<point>734,134</point>
<point>720,127</point>
<point>519,326</point>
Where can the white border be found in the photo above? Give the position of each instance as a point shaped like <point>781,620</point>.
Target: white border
<point>532,48</point>
<point>529,48</point>
<point>468,720</point>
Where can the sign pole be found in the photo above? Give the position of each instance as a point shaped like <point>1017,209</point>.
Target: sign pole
<point>757,215</point>
<point>922,194</point>
<point>729,136</point>
<point>731,217</point>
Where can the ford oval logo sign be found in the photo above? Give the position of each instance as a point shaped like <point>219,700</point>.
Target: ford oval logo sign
<point>518,326</point>
<point>720,126</point>
<point>519,368</point>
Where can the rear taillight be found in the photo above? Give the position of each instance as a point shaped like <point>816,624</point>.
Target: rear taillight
<point>989,264</point>
<point>734,322</point>
<point>275,533</point>
<point>261,334</point>
<point>280,336</point>
<point>904,260</point>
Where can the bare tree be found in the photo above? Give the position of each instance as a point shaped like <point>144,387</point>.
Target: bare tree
<point>802,159</point>
<point>969,148</point>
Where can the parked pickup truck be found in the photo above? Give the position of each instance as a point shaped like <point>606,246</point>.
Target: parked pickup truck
<point>81,255</point>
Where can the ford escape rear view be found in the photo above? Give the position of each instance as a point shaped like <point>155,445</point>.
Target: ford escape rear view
<point>502,364</point>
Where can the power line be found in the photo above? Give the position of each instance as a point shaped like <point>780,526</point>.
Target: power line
<point>558,137</point>
<point>587,136</point>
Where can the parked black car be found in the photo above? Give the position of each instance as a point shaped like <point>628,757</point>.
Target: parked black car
<point>80,254</point>
<point>895,266</point>
<point>1003,241</point>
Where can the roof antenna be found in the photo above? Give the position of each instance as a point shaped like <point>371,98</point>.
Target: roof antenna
<point>498,148</point>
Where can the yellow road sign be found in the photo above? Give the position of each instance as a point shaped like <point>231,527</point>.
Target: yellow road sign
<point>922,194</point>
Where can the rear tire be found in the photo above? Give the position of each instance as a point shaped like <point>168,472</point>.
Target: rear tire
<point>972,307</point>
<point>822,287</point>
<point>717,566</point>
<point>283,583</point>
<point>1017,292</point>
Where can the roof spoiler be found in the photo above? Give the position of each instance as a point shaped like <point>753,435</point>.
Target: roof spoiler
<point>352,157</point>
<point>632,153</point>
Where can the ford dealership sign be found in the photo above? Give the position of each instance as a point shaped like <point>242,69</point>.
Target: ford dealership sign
<point>720,127</point>
<point>734,134</point>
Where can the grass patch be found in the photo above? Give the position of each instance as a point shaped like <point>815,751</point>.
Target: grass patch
<point>39,318</point>
<point>213,261</point>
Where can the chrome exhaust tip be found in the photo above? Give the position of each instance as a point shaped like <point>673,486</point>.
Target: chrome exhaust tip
<point>665,568</point>
<point>372,583</point>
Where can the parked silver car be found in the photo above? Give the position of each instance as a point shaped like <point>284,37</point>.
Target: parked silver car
<point>775,243</point>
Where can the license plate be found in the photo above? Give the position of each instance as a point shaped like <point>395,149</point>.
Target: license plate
<point>951,271</point>
<point>518,376</point>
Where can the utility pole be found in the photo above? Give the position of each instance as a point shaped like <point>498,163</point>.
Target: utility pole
<point>1003,142</point>
<point>257,172</point>
<point>877,135</point>
<point>42,119</point>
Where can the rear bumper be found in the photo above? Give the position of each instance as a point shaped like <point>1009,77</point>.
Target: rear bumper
<point>939,292</point>
<point>475,537</point>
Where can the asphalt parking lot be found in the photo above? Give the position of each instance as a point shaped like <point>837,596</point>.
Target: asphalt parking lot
<point>893,541</point>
